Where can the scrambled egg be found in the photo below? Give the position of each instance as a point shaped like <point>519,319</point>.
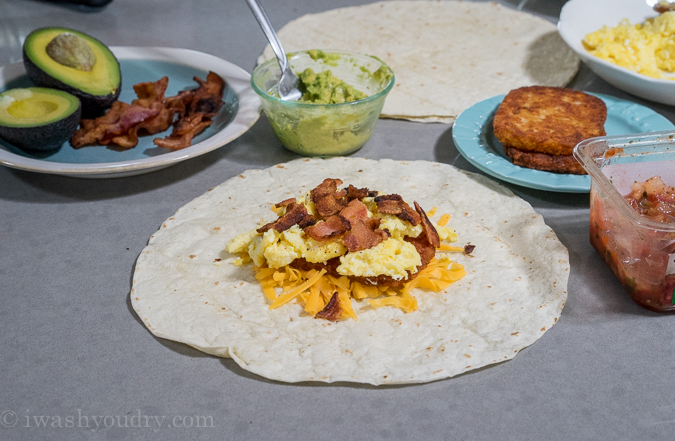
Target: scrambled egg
<point>280,249</point>
<point>647,48</point>
<point>398,228</point>
<point>392,257</point>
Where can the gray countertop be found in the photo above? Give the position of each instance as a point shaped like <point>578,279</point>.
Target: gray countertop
<point>75,358</point>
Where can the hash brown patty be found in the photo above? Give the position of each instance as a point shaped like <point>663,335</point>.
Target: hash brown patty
<point>546,162</point>
<point>550,120</point>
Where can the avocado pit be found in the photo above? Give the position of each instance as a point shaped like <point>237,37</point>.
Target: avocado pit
<point>72,51</point>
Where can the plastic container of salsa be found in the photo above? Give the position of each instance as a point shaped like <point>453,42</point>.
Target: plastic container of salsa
<point>638,247</point>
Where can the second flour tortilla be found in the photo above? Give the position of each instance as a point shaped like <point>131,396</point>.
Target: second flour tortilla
<point>186,287</point>
<point>446,55</point>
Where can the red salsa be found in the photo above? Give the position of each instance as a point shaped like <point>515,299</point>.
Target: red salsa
<point>653,199</point>
<point>643,259</point>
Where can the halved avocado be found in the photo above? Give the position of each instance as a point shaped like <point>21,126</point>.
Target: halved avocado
<point>78,63</point>
<point>37,118</point>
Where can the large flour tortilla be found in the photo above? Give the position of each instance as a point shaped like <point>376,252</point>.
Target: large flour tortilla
<point>446,55</point>
<point>514,291</point>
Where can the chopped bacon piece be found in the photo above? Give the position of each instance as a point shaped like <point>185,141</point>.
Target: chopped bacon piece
<point>426,250</point>
<point>284,203</point>
<point>333,227</point>
<point>354,211</point>
<point>356,193</point>
<point>468,248</point>
<point>333,309</point>
<point>394,204</point>
<point>361,237</point>
<point>326,197</point>
<point>428,228</point>
<point>307,221</point>
<point>121,118</point>
<point>374,222</point>
<point>294,214</point>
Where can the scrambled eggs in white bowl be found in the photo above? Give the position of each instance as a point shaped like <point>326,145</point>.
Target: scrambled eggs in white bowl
<point>579,18</point>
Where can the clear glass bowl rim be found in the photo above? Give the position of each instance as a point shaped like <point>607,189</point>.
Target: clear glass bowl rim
<point>263,94</point>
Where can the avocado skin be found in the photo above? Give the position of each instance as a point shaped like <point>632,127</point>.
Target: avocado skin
<point>44,137</point>
<point>92,105</point>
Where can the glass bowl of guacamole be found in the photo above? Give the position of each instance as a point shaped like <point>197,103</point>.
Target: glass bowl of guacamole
<point>343,95</point>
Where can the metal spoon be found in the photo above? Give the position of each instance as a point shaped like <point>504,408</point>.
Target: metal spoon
<point>660,7</point>
<point>288,83</point>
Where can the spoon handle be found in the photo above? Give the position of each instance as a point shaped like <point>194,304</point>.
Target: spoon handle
<point>259,14</point>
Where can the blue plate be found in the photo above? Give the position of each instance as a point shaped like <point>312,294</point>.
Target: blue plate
<point>240,111</point>
<point>475,140</point>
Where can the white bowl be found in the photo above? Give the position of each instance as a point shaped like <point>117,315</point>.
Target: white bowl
<point>581,17</point>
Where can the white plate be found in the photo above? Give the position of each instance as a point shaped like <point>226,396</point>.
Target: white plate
<point>240,112</point>
<point>581,17</point>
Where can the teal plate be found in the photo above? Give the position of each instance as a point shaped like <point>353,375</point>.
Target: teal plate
<point>240,111</point>
<point>475,140</point>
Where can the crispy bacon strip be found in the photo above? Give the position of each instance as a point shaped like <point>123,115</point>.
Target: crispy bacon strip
<point>195,108</point>
<point>294,214</point>
<point>151,126</point>
<point>208,98</point>
<point>394,204</point>
<point>332,311</point>
<point>183,131</point>
<point>334,226</point>
<point>428,228</point>
<point>326,197</point>
<point>118,125</point>
<point>362,237</point>
<point>354,211</point>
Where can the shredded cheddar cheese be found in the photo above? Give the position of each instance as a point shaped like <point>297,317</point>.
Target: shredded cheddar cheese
<point>443,220</point>
<point>314,289</point>
<point>446,247</point>
<point>272,252</point>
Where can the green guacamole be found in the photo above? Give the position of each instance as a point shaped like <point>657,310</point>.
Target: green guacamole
<point>318,125</point>
<point>326,88</point>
